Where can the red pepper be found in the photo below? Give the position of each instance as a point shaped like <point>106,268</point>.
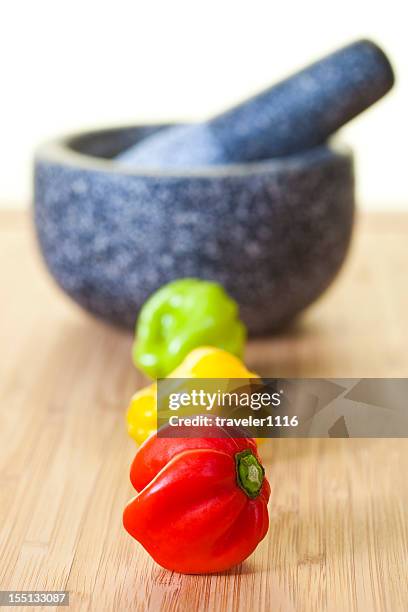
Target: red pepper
<point>202,505</point>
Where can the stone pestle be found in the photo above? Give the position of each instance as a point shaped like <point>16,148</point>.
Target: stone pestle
<point>297,113</point>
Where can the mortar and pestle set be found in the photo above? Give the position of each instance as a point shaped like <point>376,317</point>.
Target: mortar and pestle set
<point>256,198</point>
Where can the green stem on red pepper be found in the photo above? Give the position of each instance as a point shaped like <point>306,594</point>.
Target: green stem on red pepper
<point>250,473</point>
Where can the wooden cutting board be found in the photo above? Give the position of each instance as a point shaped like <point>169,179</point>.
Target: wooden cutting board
<point>338,538</point>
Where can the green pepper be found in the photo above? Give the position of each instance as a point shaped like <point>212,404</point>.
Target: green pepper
<point>182,316</point>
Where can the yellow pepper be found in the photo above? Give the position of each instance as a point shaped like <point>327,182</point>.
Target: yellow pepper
<point>203,362</point>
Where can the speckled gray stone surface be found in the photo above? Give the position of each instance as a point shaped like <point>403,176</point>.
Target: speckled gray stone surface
<point>274,234</point>
<point>294,115</point>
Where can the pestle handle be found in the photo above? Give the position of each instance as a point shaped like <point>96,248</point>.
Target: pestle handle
<point>299,112</point>
<point>306,108</point>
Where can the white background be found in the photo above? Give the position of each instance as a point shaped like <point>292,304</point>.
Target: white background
<point>68,65</point>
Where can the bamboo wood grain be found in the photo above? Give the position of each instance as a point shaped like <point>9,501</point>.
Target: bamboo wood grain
<point>338,539</point>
